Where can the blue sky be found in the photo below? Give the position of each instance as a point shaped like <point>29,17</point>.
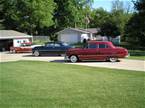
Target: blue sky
<point>106,4</point>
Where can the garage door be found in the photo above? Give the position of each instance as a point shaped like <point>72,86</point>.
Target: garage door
<point>6,44</point>
<point>69,38</point>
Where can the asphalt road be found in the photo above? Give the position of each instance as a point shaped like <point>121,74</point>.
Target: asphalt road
<point>138,65</point>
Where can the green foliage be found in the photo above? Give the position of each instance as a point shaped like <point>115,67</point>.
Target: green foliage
<point>98,17</point>
<point>112,23</point>
<point>71,13</point>
<point>28,15</point>
<point>110,29</point>
<point>39,42</point>
<point>135,28</point>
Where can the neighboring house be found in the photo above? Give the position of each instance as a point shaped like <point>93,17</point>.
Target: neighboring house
<point>13,38</point>
<point>74,35</point>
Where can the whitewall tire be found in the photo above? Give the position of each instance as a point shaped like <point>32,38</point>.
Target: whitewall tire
<point>36,53</point>
<point>73,59</point>
<point>113,59</point>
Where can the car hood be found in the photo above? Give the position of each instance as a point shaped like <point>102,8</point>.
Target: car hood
<point>121,49</point>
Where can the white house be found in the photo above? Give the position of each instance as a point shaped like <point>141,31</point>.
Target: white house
<point>74,35</point>
<point>10,38</point>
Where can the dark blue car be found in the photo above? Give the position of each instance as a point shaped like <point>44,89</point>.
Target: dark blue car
<point>51,48</point>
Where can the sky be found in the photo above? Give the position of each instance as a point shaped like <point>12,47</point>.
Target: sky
<point>107,4</point>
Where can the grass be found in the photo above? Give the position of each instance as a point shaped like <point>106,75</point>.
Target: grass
<point>136,54</point>
<point>32,84</point>
<point>136,57</point>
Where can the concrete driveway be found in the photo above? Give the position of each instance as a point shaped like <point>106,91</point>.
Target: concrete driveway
<point>126,64</point>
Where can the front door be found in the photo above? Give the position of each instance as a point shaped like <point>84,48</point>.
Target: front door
<point>89,53</point>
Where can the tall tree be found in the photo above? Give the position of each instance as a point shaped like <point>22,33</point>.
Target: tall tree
<point>135,28</point>
<point>109,29</point>
<point>1,14</point>
<point>120,15</point>
<point>28,15</point>
<point>99,17</point>
<point>70,13</point>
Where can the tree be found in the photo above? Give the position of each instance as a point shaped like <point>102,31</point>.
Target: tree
<point>28,15</point>
<point>99,17</point>
<point>135,28</point>
<point>1,14</point>
<point>110,29</point>
<point>71,13</point>
<point>119,15</point>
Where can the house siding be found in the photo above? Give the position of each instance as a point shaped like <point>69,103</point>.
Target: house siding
<point>69,36</point>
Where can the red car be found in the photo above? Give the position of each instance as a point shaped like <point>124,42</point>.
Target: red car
<point>95,50</point>
<point>25,47</point>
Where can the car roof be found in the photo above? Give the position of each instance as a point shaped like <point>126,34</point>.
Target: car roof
<point>53,42</point>
<point>100,42</point>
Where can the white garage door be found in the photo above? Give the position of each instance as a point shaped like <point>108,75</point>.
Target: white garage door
<point>69,38</point>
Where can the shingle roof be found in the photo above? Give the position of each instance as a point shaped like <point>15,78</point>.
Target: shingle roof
<point>89,30</point>
<point>11,34</point>
<point>93,30</point>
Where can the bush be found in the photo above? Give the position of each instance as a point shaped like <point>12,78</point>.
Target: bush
<point>40,42</point>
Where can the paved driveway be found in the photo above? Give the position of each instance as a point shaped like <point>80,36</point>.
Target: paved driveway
<point>126,64</point>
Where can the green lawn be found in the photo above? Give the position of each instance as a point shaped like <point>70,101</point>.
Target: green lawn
<point>136,57</point>
<point>31,84</point>
<point>136,54</point>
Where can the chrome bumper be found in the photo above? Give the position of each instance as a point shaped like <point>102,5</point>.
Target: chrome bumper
<point>66,58</point>
<point>127,55</point>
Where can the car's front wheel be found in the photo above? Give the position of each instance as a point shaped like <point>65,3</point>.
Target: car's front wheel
<point>73,58</point>
<point>36,53</point>
<point>113,59</point>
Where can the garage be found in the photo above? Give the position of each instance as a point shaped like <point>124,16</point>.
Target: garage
<point>5,44</point>
<point>75,35</point>
<point>13,38</point>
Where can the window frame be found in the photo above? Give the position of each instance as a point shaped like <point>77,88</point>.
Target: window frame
<point>96,46</point>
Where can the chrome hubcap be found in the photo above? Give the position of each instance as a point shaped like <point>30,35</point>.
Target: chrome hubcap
<point>113,59</point>
<point>73,59</point>
<point>36,53</point>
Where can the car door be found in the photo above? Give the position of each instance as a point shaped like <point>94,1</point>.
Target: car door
<point>26,48</point>
<point>104,51</point>
<point>57,48</point>
<point>89,53</point>
<point>48,49</point>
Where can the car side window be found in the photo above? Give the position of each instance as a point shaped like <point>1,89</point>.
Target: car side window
<point>57,45</point>
<point>103,46</point>
<point>92,45</point>
<point>50,45</point>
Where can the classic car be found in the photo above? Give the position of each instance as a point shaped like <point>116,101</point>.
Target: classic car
<point>23,48</point>
<point>96,50</point>
<point>51,48</point>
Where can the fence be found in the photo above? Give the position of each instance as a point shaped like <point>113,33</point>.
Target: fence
<point>42,38</point>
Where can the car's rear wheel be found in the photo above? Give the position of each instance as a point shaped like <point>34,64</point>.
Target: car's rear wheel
<point>73,58</point>
<point>36,53</point>
<point>113,59</point>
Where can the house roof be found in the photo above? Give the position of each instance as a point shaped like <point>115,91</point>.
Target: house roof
<point>89,30</point>
<point>11,34</point>
<point>93,30</point>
